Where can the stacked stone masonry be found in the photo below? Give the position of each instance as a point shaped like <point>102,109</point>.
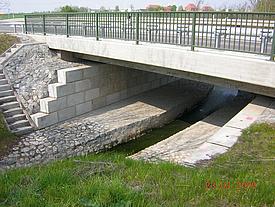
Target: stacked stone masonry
<point>31,70</point>
<point>85,88</point>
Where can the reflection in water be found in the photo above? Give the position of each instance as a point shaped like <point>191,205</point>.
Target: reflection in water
<point>219,97</point>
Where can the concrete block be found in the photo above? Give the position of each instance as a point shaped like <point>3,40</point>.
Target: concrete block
<point>112,98</point>
<point>152,76</point>
<point>106,90</point>
<point>49,105</point>
<point>57,90</point>
<point>95,82</point>
<point>136,73</point>
<point>141,79</point>
<point>123,84</point>
<point>136,90</point>
<point>163,81</point>
<point>75,99</point>
<point>106,69</point>
<point>131,82</point>
<point>42,120</point>
<point>99,103</point>
<point>156,83</point>
<point>69,75</point>
<point>146,87</point>
<point>205,151</point>
<point>91,94</point>
<point>83,108</point>
<point>113,78</point>
<point>67,113</point>
<point>125,94</point>
<point>159,76</point>
<point>117,87</point>
<point>226,136</point>
<point>68,56</point>
<point>124,75</point>
<point>103,80</point>
<point>82,85</point>
<point>92,71</point>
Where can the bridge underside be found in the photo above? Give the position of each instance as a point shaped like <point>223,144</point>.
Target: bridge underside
<point>230,69</point>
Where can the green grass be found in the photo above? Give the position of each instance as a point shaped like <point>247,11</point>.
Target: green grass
<point>7,140</point>
<point>11,16</point>
<point>6,41</point>
<point>124,182</point>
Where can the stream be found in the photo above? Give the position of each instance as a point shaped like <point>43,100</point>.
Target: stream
<point>219,97</point>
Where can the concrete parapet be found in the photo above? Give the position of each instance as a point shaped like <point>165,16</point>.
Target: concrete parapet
<point>85,88</point>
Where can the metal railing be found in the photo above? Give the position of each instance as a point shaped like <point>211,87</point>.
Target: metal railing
<point>234,31</point>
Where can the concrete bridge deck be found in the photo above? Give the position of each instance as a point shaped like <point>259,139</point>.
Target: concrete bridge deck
<point>248,72</point>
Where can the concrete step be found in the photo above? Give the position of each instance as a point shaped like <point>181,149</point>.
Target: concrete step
<point>6,99</point>
<point>2,59</point>
<point>6,93</point>
<point>8,54</point>
<point>19,124</point>
<point>3,81</point>
<point>15,118</point>
<point>2,76</point>
<point>13,50</point>
<point>5,87</point>
<point>22,130</point>
<point>19,45</point>
<point>12,112</point>
<point>10,105</point>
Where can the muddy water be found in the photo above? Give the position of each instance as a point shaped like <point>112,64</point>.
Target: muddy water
<point>220,96</point>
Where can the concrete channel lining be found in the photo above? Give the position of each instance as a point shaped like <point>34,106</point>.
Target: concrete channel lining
<point>228,135</point>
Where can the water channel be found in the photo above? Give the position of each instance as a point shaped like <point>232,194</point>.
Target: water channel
<point>219,97</point>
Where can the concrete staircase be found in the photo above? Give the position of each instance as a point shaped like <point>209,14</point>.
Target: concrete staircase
<point>13,113</point>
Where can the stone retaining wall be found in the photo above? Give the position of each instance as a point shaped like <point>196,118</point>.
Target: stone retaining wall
<point>85,88</point>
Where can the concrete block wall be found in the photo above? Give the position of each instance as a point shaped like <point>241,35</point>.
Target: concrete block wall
<point>85,88</point>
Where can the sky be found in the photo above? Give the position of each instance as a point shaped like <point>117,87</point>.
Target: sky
<point>51,5</point>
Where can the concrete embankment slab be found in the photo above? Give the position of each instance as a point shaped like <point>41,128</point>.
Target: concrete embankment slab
<point>228,135</point>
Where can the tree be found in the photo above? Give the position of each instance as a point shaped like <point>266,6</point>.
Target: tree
<point>117,8</point>
<point>67,8</point>
<point>180,8</point>
<point>199,3</point>
<point>174,8</point>
<point>4,4</point>
<point>102,8</point>
<point>150,9</point>
<point>160,8</point>
<point>263,5</point>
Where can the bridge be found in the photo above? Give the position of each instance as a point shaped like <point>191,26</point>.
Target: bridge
<point>224,48</point>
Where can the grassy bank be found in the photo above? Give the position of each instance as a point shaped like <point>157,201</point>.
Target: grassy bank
<point>7,140</point>
<point>6,41</point>
<point>246,173</point>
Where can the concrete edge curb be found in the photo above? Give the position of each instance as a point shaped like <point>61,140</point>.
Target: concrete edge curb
<point>228,135</point>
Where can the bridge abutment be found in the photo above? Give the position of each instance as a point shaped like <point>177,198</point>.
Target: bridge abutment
<point>82,89</point>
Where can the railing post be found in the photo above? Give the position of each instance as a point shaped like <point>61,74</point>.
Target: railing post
<point>44,26</point>
<point>97,36</point>
<point>137,28</point>
<point>26,24</point>
<point>193,32</point>
<point>14,29</point>
<point>272,55</point>
<point>67,25</point>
